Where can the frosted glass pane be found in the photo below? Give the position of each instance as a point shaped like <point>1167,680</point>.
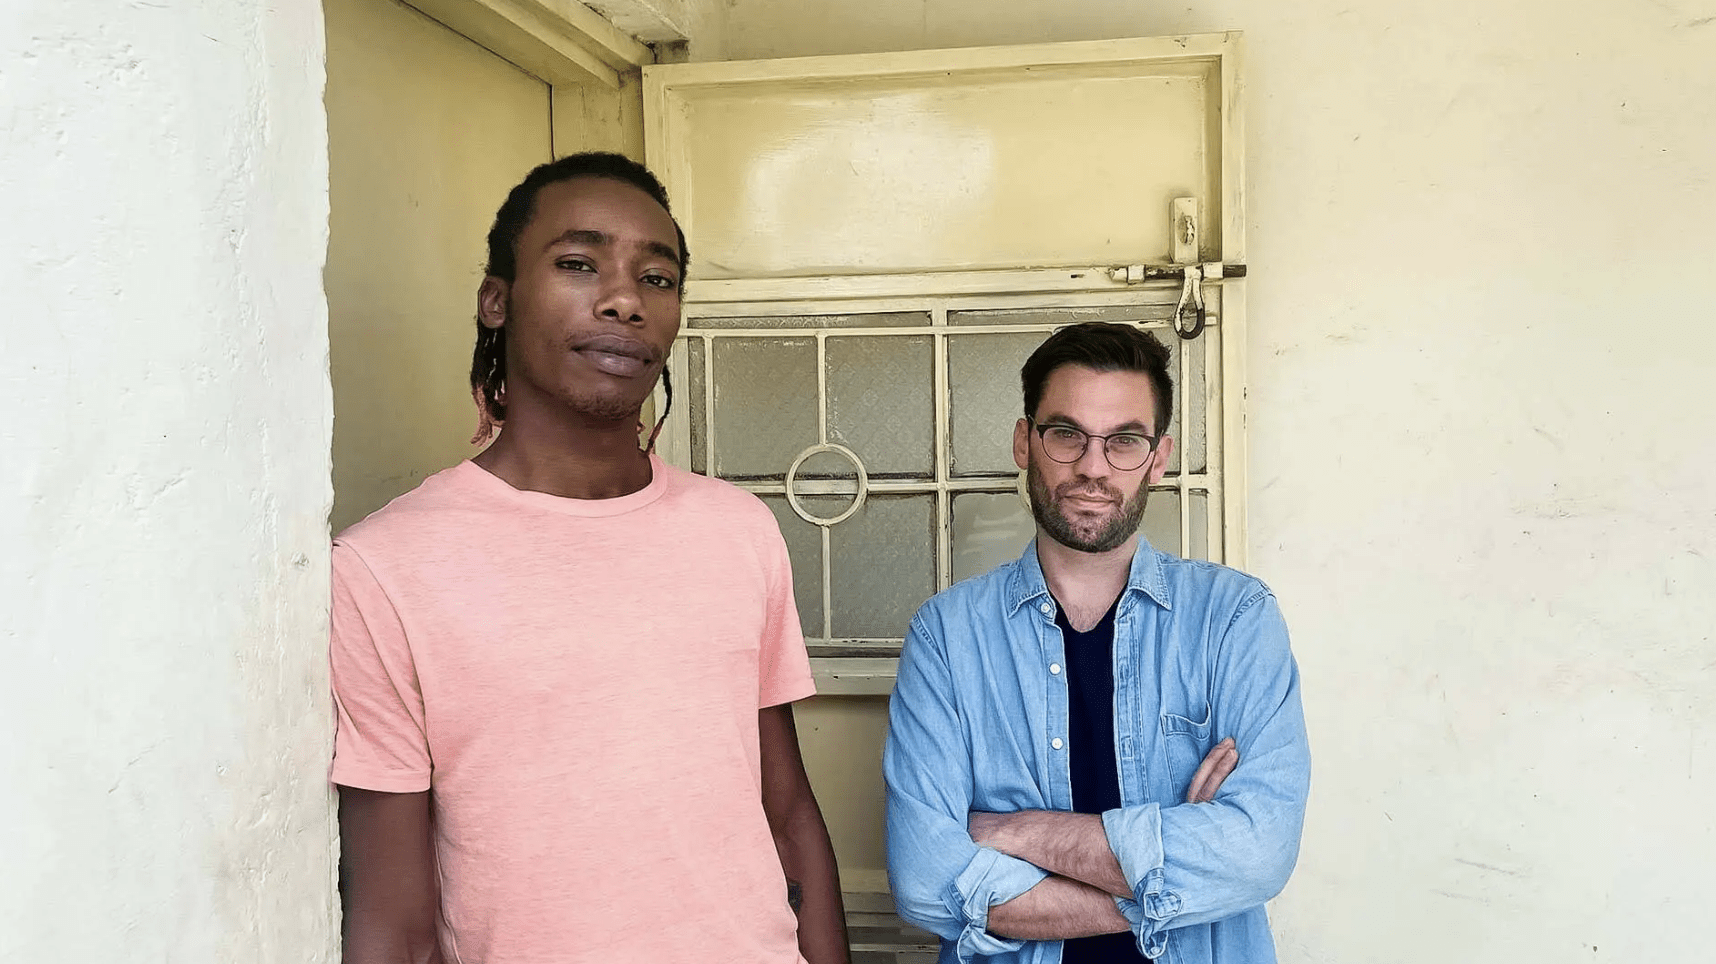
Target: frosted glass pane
<point>887,319</point>
<point>880,402</point>
<point>1162,520</point>
<point>883,566</point>
<point>1200,547</point>
<point>984,400</point>
<point>829,465</point>
<point>691,395</point>
<point>1196,419</point>
<point>804,548</point>
<point>989,528</point>
<point>1157,313</point>
<point>765,405</point>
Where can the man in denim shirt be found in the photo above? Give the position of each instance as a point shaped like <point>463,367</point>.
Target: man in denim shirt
<point>1062,726</point>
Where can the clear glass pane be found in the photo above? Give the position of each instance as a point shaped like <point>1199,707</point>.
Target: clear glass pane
<point>695,387</point>
<point>882,566</point>
<point>989,528</point>
<point>880,402</point>
<point>888,319</point>
<point>1159,313</point>
<point>765,405</point>
<point>804,547</point>
<point>1162,520</point>
<point>984,400</point>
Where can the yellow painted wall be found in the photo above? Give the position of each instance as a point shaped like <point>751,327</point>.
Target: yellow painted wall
<point>841,738</point>
<point>427,132</point>
<point>1482,469</point>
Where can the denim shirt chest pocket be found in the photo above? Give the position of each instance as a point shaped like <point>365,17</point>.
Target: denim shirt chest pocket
<point>1185,741</point>
<point>1167,677</point>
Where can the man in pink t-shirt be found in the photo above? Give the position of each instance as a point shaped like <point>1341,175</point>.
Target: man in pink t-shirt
<point>564,669</point>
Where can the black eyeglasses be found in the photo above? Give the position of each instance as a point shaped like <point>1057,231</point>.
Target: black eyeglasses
<point>1126,451</point>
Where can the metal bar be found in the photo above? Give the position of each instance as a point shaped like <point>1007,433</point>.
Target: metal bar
<point>932,284</point>
<point>1154,296</point>
<point>827,586</point>
<point>709,449</point>
<point>943,501</point>
<point>1198,482</point>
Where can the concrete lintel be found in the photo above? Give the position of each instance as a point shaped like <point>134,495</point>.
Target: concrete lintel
<point>560,41</point>
<point>651,21</point>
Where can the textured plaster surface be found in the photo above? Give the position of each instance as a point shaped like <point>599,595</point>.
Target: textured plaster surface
<point>163,484</point>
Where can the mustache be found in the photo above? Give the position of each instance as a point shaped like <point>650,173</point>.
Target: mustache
<point>1089,489</point>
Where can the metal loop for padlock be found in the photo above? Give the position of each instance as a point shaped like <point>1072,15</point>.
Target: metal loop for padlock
<point>1191,296</point>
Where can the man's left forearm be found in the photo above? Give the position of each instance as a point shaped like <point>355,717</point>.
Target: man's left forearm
<point>1067,844</point>
<point>801,839</point>
<point>813,884</point>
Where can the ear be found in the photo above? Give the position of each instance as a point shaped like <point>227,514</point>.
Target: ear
<point>491,302</point>
<point>1022,444</point>
<point>1164,455</point>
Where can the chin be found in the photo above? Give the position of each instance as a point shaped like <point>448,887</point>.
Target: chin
<point>606,408</point>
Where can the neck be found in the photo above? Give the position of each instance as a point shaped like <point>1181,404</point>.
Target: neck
<point>566,454</point>
<point>1085,582</point>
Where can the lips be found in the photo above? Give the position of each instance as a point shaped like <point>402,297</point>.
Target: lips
<point>1090,501</point>
<point>617,355</point>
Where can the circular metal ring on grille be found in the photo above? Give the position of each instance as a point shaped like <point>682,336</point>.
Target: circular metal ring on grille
<point>857,500</point>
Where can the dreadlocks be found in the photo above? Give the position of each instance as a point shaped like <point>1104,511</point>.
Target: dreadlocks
<point>488,358</point>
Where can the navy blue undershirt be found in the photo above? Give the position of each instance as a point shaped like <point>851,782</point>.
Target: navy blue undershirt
<point>1090,755</point>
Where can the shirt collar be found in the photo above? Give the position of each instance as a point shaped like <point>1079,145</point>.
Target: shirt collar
<point>1146,576</point>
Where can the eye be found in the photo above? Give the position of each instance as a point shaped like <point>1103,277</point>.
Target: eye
<point>574,264</point>
<point>663,282</point>
<point>1126,443</point>
<point>1060,433</point>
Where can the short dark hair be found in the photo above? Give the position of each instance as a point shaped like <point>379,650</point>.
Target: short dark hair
<point>1104,347</point>
<point>488,359</point>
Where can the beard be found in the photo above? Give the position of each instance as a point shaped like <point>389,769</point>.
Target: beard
<point>1097,535</point>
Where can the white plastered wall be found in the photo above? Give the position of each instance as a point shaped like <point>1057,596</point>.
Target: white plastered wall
<point>1483,472</point>
<point>163,484</point>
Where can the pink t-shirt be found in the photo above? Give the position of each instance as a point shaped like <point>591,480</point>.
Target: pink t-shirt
<point>578,682</point>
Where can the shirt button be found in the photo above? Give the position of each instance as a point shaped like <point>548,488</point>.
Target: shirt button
<point>1054,669</point>
<point>1056,742</point>
<point>1047,609</point>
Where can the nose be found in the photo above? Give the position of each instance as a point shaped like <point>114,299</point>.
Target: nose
<point>621,300</point>
<point>1093,464</point>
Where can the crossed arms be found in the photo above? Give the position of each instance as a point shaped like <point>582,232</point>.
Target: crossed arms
<point>987,883</point>
<point>1077,899</point>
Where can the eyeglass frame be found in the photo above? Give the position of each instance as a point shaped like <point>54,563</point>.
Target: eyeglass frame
<point>1040,428</point>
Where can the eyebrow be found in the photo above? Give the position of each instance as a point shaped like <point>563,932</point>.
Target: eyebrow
<point>602,239</point>
<point>1133,427</point>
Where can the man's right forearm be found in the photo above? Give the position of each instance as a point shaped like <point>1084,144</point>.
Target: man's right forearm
<point>1057,909</point>
<point>365,946</point>
<point>387,877</point>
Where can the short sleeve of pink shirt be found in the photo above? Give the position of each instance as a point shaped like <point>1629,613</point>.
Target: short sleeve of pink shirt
<point>578,682</point>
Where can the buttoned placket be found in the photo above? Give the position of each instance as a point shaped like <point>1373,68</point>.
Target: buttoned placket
<point>1056,717</point>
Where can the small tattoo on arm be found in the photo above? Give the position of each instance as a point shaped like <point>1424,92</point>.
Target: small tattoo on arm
<point>795,895</point>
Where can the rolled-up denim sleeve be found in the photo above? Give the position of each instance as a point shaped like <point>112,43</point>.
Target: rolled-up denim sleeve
<point>942,881</point>
<point>1197,863</point>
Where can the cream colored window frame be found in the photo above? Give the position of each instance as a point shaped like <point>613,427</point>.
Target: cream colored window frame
<point>1222,480</point>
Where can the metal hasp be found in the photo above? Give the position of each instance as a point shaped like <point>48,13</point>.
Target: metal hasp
<point>1184,229</point>
<point>1191,277</point>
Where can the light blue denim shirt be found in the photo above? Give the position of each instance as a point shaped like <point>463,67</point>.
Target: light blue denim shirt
<point>978,721</point>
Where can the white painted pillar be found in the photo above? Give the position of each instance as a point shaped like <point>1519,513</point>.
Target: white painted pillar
<point>165,721</point>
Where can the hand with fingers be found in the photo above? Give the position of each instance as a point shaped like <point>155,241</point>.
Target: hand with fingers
<point>1218,763</point>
